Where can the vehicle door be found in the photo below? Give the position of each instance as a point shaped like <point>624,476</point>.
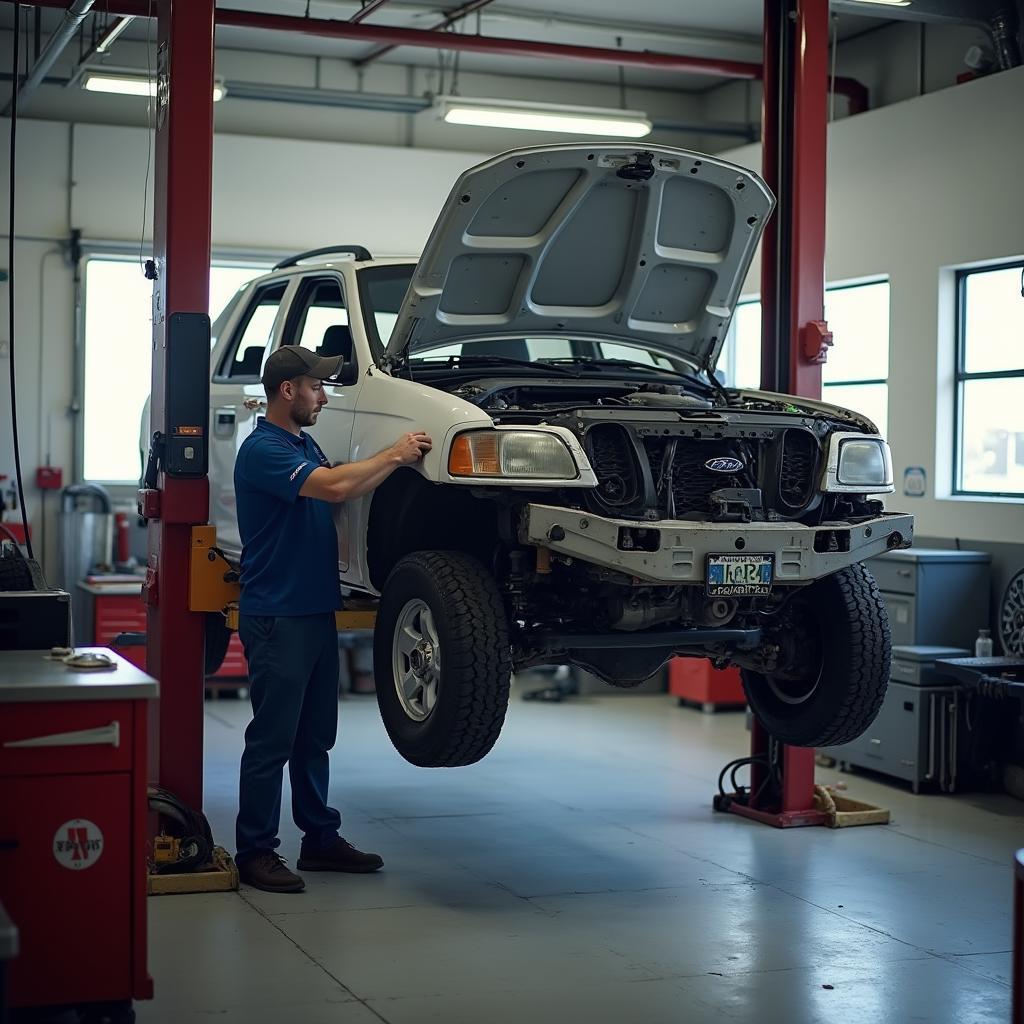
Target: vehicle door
<point>237,398</point>
<point>318,320</point>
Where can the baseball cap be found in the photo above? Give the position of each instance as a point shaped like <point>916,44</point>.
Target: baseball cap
<point>291,361</point>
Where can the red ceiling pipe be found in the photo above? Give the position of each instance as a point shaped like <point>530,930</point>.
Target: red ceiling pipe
<point>853,90</point>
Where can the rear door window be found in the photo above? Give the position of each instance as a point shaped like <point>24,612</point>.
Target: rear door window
<point>244,359</point>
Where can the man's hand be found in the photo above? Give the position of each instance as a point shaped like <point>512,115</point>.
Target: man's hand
<point>410,448</point>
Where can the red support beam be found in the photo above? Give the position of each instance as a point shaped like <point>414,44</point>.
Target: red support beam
<point>181,246</point>
<point>794,137</point>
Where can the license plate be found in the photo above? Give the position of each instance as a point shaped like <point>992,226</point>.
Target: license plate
<point>739,575</point>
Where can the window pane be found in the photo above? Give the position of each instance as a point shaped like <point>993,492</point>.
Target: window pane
<point>871,400</point>
<point>326,309</point>
<point>549,348</point>
<point>858,318</point>
<point>118,336</point>
<point>993,321</point>
<point>992,433</point>
<point>248,357</point>
<point>747,322</point>
<point>632,354</point>
<point>118,333</point>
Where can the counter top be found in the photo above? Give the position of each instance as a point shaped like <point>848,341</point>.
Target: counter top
<point>31,676</point>
<point>120,589</point>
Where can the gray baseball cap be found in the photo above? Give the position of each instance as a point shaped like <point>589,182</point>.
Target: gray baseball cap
<point>291,361</point>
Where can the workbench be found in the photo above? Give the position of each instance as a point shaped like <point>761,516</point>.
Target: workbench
<point>73,773</point>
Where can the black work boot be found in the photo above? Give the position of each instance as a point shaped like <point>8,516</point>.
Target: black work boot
<point>339,855</point>
<point>266,871</point>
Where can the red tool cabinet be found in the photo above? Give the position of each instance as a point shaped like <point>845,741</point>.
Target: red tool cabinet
<point>73,816</point>
<point>118,608</point>
<point>696,681</point>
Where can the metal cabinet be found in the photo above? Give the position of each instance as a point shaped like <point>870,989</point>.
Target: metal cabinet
<point>73,771</point>
<point>934,596</point>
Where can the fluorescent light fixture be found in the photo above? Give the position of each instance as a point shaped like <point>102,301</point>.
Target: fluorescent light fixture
<point>543,117</point>
<point>134,85</point>
<point>113,32</point>
<point>886,3</point>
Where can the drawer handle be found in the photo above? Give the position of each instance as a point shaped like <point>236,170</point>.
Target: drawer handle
<point>103,736</point>
<point>905,573</point>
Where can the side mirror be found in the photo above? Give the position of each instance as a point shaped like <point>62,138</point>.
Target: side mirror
<point>347,375</point>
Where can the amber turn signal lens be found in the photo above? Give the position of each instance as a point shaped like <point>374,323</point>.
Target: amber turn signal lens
<point>474,455</point>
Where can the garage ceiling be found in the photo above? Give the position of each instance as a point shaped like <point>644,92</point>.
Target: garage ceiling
<point>724,29</point>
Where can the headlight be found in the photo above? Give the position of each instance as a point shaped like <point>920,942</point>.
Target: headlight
<point>519,454</point>
<point>858,463</point>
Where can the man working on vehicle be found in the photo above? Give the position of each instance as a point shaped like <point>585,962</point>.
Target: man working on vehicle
<point>284,487</point>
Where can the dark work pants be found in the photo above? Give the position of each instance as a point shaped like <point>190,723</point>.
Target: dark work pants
<point>293,684</point>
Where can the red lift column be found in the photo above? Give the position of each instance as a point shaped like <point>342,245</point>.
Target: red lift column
<point>795,338</point>
<point>181,244</point>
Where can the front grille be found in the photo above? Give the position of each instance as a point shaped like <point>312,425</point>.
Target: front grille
<point>796,473</point>
<point>692,481</point>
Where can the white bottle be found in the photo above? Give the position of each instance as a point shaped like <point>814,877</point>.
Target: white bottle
<point>983,645</point>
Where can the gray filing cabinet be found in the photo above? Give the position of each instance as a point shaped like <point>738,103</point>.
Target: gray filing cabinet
<point>934,596</point>
<point>914,736</point>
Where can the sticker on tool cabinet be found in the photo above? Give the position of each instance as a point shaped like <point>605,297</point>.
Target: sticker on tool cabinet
<point>78,844</point>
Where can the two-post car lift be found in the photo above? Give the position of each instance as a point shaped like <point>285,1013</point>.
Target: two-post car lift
<point>795,337</point>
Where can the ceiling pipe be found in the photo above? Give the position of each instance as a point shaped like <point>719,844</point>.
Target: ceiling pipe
<point>853,90</point>
<point>447,21</point>
<point>73,17</point>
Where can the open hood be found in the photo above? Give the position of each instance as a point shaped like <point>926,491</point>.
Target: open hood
<point>599,240</point>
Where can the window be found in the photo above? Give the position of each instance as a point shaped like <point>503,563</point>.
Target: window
<point>857,371</point>
<point>989,436</point>
<point>245,359</point>
<point>117,348</point>
<point>319,320</point>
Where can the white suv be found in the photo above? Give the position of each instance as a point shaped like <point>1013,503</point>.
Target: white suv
<point>594,495</point>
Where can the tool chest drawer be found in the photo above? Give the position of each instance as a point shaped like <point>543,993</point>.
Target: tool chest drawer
<point>52,738</point>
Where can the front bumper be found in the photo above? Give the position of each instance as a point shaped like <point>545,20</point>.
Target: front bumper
<point>683,546</point>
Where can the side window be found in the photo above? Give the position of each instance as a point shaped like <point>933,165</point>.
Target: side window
<point>319,320</point>
<point>253,334</point>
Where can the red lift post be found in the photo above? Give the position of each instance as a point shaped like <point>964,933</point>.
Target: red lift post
<point>181,247</point>
<point>794,335</point>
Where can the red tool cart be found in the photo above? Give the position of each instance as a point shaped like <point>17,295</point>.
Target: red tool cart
<point>115,606</point>
<point>73,774</point>
<point>696,681</point>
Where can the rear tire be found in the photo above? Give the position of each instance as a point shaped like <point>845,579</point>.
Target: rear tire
<point>843,620</point>
<point>442,659</point>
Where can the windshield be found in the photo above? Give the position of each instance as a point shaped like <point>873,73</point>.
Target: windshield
<point>382,290</point>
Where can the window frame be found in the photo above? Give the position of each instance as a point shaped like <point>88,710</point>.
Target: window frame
<point>223,374</point>
<point>117,252</point>
<point>961,376</point>
<point>298,308</point>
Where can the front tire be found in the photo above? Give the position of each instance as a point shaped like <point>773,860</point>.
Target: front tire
<point>839,629</point>
<point>442,659</point>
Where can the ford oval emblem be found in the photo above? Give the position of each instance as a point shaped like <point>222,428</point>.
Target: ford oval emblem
<point>724,464</point>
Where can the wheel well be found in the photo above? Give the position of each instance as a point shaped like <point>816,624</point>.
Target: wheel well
<point>409,514</point>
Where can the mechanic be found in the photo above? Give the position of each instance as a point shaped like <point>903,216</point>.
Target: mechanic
<point>284,488</point>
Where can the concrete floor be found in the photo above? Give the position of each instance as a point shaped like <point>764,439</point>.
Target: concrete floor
<point>578,872</point>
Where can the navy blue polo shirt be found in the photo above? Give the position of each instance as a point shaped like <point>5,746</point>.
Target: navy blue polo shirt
<point>289,543</point>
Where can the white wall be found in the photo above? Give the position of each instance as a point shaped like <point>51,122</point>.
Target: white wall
<point>923,185</point>
<point>915,189</point>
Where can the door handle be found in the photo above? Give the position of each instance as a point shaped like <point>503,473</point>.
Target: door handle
<point>103,736</point>
<point>254,403</point>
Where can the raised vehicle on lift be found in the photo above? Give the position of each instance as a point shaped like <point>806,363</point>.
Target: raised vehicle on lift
<point>595,495</point>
